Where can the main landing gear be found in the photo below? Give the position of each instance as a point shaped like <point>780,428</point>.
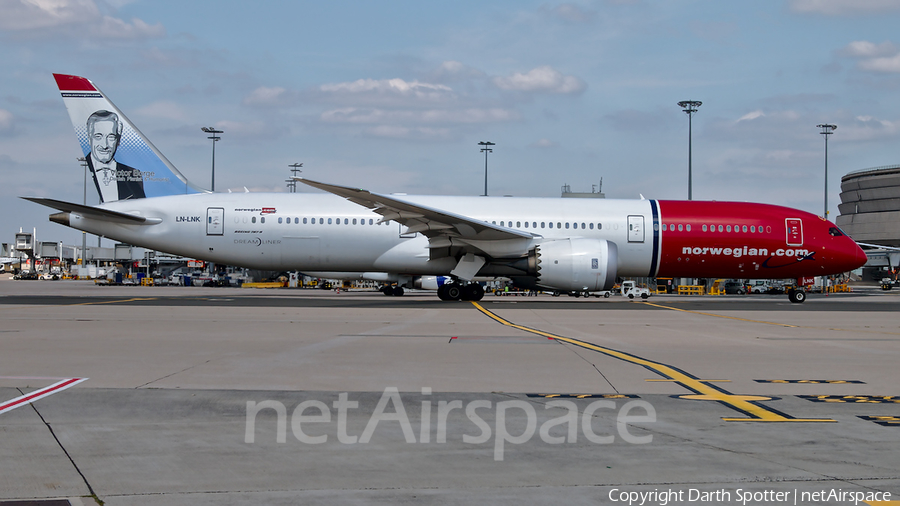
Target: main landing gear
<point>389,290</point>
<point>797,295</point>
<point>456,291</point>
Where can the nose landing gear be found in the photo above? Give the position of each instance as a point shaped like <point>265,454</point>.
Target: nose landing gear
<point>796,295</point>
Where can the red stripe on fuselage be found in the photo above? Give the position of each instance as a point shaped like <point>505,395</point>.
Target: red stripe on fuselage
<point>752,242</point>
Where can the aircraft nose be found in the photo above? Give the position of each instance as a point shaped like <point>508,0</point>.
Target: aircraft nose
<point>861,256</point>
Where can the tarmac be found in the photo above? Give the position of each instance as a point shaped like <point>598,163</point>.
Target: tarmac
<point>228,396</point>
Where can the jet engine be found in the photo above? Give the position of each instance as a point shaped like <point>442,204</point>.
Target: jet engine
<point>576,264</point>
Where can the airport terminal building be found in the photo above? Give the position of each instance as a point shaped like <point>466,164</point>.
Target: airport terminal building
<point>870,205</point>
<point>870,213</point>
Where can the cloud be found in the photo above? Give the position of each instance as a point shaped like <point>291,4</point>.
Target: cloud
<point>400,132</point>
<point>393,87</point>
<point>866,49</point>
<point>430,116</point>
<point>750,116</point>
<point>843,7</point>
<point>871,57</point>
<point>270,97</point>
<point>543,144</point>
<point>6,121</point>
<point>165,109</point>
<point>24,16</point>
<point>454,71</point>
<point>883,65</point>
<point>572,13</point>
<point>544,79</point>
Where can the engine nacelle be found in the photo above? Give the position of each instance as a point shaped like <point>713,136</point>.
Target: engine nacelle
<point>431,282</point>
<point>577,264</point>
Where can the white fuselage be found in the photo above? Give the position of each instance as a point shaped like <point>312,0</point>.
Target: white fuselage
<point>315,232</point>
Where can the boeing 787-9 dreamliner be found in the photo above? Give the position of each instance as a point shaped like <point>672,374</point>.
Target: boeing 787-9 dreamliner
<point>571,245</point>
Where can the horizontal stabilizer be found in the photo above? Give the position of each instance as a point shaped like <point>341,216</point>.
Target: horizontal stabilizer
<point>95,213</point>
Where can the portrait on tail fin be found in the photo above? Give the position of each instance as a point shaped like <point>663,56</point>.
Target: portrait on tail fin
<point>114,180</point>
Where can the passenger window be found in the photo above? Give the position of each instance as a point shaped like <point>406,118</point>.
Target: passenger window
<point>329,221</point>
<point>526,224</point>
<point>551,224</point>
<point>304,221</point>
<point>279,220</point>
<point>720,228</point>
<point>253,219</point>
<point>567,225</point>
<point>591,226</point>
<point>704,228</point>
<point>744,229</point>
<point>728,228</point>
<point>688,227</point>
<point>752,229</point>
<point>542,224</point>
<point>533,224</point>
<point>582,226</point>
<point>518,224</point>
<point>599,226</point>
<point>559,225</point>
<point>680,227</point>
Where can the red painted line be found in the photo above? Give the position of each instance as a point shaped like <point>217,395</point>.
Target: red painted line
<point>39,394</point>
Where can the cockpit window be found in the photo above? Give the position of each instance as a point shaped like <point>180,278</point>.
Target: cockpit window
<point>835,232</point>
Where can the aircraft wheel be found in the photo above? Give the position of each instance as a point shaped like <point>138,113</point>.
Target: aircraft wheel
<point>387,290</point>
<point>473,292</point>
<point>442,292</point>
<point>797,296</point>
<point>397,291</point>
<point>606,295</point>
<point>454,291</point>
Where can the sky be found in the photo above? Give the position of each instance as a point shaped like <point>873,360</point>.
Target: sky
<point>395,96</point>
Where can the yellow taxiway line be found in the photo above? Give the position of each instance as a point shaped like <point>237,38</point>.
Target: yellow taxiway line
<point>703,390</point>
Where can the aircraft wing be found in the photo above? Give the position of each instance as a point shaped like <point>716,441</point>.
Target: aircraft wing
<point>432,223</point>
<point>96,213</point>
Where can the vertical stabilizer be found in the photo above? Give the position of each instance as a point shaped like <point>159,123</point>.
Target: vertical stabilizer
<point>123,163</point>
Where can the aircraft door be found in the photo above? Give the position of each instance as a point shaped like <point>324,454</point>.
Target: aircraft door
<point>794,230</point>
<point>635,229</point>
<point>215,221</point>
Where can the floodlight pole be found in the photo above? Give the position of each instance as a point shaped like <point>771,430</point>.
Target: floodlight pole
<point>827,130</point>
<point>214,138</point>
<point>486,149</point>
<point>292,183</point>
<point>84,164</point>
<point>690,107</point>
